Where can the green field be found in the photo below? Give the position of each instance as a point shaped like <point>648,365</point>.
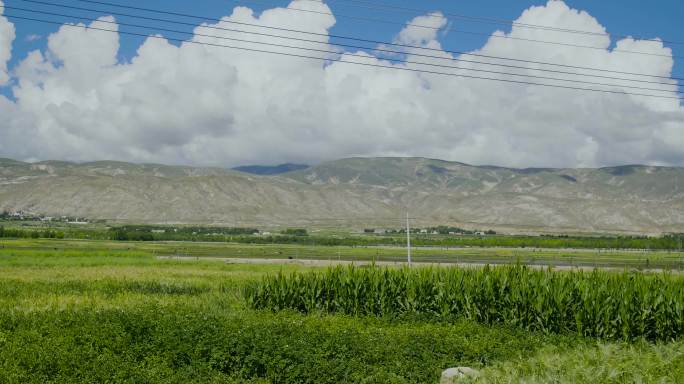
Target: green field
<point>608,305</point>
<point>438,237</point>
<point>86,311</point>
<point>621,259</point>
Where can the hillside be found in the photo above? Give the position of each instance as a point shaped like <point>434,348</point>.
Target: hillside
<point>356,192</point>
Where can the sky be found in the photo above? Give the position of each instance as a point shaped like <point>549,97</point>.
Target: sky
<point>183,97</point>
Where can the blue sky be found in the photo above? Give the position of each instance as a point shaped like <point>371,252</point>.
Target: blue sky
<point>631,17</point>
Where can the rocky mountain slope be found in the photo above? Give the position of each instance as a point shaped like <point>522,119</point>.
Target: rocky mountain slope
<point>358,192</point>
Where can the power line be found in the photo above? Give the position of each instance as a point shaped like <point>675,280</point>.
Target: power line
<point>346,54</point>
<point>205,18</point>
<point>359,18</point>
<point>350,62</point>
<point>385,6</point>
<point>349,45</point>
<point>464,31</point>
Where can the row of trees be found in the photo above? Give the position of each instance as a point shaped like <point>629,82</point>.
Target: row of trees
<point>209,234</point>
<point>30,234</point>
<point>671,242</point>
<point>187,230</point>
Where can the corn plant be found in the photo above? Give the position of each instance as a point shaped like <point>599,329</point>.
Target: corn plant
<point>600,304</point>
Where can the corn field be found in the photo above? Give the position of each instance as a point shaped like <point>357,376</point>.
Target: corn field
<point>607,305</point>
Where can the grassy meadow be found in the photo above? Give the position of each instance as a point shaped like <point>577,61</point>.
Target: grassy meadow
<point>25,249</point>
<point>89,312</point>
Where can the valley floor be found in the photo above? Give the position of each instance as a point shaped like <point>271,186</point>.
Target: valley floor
<point>580,257</point>
<point>114,312</point>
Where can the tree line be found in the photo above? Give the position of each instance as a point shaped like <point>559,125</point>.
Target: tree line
<point>672,242</point>
<point>30,234</point>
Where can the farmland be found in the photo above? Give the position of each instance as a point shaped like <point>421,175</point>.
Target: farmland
<point>441,236</point>
<point>607,305</point>
<point>83,311</point>
<point>621,259</point>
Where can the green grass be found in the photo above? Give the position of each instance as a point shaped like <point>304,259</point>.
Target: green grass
<point>101,231</point>
<point>587,258</point>
<point>82,314</point>
<point>602,363</point>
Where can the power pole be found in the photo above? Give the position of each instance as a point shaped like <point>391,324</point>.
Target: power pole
<point>680,251</point>
<point>408,239</point>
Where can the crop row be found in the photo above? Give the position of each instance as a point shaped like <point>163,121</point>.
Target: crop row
<point>601,304</point>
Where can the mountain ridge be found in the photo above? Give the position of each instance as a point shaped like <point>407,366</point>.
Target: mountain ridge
<point>630,198</point>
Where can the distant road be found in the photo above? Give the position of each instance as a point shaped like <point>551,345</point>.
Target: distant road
<point>328,263</point>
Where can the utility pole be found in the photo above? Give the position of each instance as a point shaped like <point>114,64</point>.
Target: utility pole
<point>680,251</point>
<point>408,238</point>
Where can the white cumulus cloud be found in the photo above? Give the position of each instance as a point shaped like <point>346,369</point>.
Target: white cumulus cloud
<point>211,105</point>
<point>7,34</point>
<point>422,30</point>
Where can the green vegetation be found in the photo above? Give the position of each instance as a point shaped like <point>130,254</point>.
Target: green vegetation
<point>607,305</point>
<point>30,234</point>
<point>300,236</point>
<point>181,344</point>
<point>632,260</point>
<point>85,311</point>
<point>666,243</point>
<point>670,242</point>
<point>295,232</point>
<point>607,363</point>
<point>186,230</point>
<point>435,236</point>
